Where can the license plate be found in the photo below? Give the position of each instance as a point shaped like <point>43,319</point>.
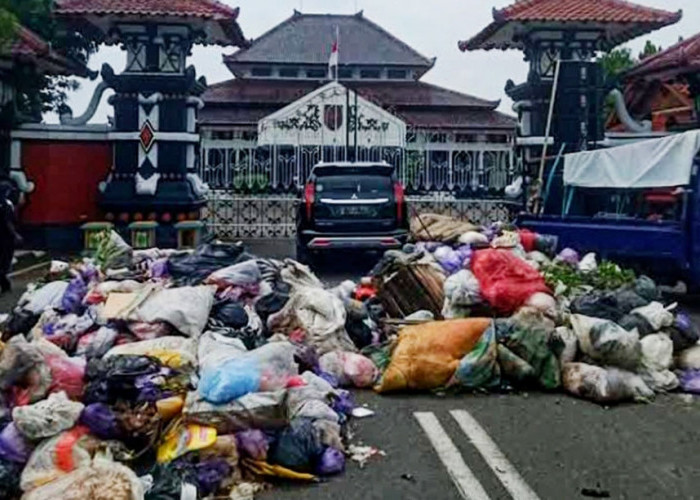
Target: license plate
<point>357,211</point>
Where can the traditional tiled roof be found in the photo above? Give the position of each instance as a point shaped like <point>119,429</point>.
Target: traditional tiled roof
<point>28,47</point>
<point>307,39</point>
<point>630,19</point>
<point>196,11</point>
<point>682,58</point>
<point>385,93</point>
<point>246,102</point>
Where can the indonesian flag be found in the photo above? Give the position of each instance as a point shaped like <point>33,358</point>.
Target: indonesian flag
<point>333,61</point>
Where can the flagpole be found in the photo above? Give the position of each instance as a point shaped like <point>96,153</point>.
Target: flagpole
<point>337,41</point>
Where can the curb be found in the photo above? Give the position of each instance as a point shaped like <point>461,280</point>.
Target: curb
<point>29,269</point>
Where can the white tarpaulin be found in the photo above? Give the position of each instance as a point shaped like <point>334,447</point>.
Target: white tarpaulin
<point>666,162</point>
<point>329,116</point>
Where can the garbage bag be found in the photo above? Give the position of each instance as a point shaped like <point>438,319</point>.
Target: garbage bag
<point>690,381</point>
<point>427,356</point>
<point>506,281</point>
<point>20,322</point>
<point>174,352</point>
<point>565,344</point>
<point>450,260</point>
<point>97,344</point>
<point>479,369</point>
<point>474,239</point>
<point>684,333</point>
<point>598,305</point>
<point>216,349</point>
<point>243,275</point>
<point>230,314</point>
<point>253,444</point>
<point>9,479</point>
<point>603,385</point>
<point>193,269</point>
<point>544,303</point>
<point>113,378</point>
<point>251,333</point>
<point>179,439</point>
<point>57,456</point>
<point>312,399</point>
<point>72,299</point>
<point>265,369</point>
<point>657,359</point>
<point>48,296</point>
<point>588,263</point>
<point>569,256</point>
<point>636,322</point>
<point>461,290</point>
<point>607,343</point>
<point>14,446</point>
<point>529,335</point>
<point>262,410</point>
<point>274,302</point>
<point>647,289</point>
<point>185,308</point>
<point>689,359</point>
<point>208,475</point>
<point>349,368</point>
<point>113,253</point>
<point>332,462</point>
<point>318,312</point>
<point>47,418</point>
<point>298,276</point>
<point>67,375</point>
<point>101,421</point>
<point>100,478</point>
<point>657,315</point>
<point>298,447</point>
<point>17,359</point>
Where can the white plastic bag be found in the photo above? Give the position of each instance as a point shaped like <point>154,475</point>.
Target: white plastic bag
<point>47,296</point>
<point>657,359</point>
<point>588,263</point>
<point>350,369</point>
<point>473,238</point>
<point>657,315</point>
<point>185,308</point>
<point>244,273</point>
<point>544,303</point>
<point>47,418</point>
<point>689,359</point>
<point>216,349</point>
<point>570,342</point>
<point>607,343</point>
<point>604,385</point>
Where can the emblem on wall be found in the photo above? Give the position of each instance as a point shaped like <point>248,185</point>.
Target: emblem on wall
<point>333,116</point>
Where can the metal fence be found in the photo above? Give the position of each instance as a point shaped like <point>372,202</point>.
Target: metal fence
<point>233,217</point>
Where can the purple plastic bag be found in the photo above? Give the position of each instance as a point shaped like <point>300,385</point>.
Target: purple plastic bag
<point>570,256</point>
<point>253,443</point>
<point>465,254</point>
<point>14,446</point>
<point>159,269</point>
<point>450,260</point>
<point>101,421</point>
<point>690,381</point>
<point>72,300</point>
<point>343,404</point>
<point>210,474</point>
<point>332,462</point>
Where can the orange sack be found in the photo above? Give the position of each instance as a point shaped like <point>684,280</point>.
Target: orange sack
<point>428,355</point>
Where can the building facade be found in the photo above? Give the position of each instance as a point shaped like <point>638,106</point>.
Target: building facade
<point>285,111</point>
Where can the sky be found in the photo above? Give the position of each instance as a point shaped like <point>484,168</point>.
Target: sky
<point>432,28</point>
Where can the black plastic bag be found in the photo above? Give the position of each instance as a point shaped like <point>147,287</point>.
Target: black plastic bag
<point>683,333</point>
<point>629,300</point>
<point>167,482</point>
<point>230,314</point>
<point>598,305</point>
<point>274,302</point>
<point>114,378</point>
<point>10,473</point>
<point>194,268</point>
<point>298,446</point>
<point>20,322</point>
<point>632,321</point>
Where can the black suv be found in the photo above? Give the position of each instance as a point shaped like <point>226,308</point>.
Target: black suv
<point>351,206</point>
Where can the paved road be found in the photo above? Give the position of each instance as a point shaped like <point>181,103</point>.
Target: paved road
<point>525,446</point>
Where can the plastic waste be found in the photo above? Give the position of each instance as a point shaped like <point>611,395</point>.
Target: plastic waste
<point>72,299</point>
<point>479,369</point>
<point>97,344</point>
<point>47,418</point>
<point>332,462</point>
<point>657,315</point>
<point>604,386</point>
<point>689,359</point>
<point>427,356</point>
<point>607,343</point>
<point>350,369</point>
<point>48,296</point>
<point>298,446</point>
<point>230,314</point>
<point>588,263</point>
<point>462,290</point>
<point>101,421</point>
<point>474,239</point>
<point>450,260</point>
<point>174,352</point>
<point>179,439</point>
<point>265,369</point>
<point>253,444</point>
<point>192,269</point>
<point>506,281</point>
<point>185,308</point>
<point>20,358</point>
<point>14,446</point>
<point>690,381</point>
<point>216,349</point>
<point>67,375</point>
<point>544,303</point>
<point>568,344</point>
<point>657,359</point>
<point>569,256</point>
<point>9,479</point>
<point>684,333</point>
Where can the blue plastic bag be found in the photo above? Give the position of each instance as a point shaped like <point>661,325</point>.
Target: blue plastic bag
<point>72,300</point>
<point>229,381</point>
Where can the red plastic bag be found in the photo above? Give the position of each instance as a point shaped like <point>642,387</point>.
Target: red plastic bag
<point>67,375</point>
<point>528,239</point>
<point>506,280</point>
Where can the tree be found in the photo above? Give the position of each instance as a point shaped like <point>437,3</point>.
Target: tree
<point>649,50</point>
<point>38,93</point>
<point>616,62</point>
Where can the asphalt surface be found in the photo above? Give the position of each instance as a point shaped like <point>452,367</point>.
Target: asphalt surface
<point>560,447</point>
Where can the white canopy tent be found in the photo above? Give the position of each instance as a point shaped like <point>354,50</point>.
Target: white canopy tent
<point>656,163</point>
<point>327,116</point>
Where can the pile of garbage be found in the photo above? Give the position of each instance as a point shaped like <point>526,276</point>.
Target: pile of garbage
<point>162,374</point>
<point>498,308</point>
<point>159,374</point>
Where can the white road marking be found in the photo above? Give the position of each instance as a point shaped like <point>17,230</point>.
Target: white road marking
<point>496,460</point>
<point>466,482</point>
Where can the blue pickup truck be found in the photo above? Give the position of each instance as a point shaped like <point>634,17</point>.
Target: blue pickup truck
<point>638,204</point>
